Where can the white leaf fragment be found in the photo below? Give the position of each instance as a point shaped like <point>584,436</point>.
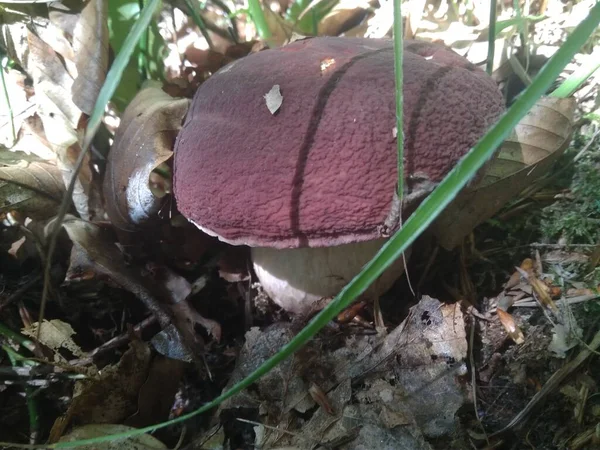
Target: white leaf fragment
<point>274,99</point>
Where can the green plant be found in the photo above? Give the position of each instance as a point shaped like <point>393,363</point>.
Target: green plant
<point>577,217</point>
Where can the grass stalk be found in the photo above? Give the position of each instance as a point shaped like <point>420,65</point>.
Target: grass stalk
<point>258,18</point>
<point>489,67</point>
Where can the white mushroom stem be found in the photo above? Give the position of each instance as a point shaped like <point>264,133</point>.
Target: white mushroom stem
<point>298,278</point>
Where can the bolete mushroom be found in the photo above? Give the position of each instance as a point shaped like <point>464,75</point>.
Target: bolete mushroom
<point>311,186</point>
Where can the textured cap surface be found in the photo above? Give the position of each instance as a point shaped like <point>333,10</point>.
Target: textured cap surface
<point>322,170</point>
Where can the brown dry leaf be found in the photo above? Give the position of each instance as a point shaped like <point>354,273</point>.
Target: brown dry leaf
<point>511,327</point>
<point>158,392</point>
<point>60,116</point>
<point>542,292</point>
<point>143,142</point>
<point>281,31</point>
<point>56,335</point>
<point>343,13</point>
<point>112,396</point>
<point>34,189</point>
<point>515,278</point>
<point>90,44</point>
<point>536,143</point>
<point>541,134</point>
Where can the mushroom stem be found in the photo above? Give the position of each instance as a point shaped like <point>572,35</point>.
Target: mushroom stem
<point>297,278</point>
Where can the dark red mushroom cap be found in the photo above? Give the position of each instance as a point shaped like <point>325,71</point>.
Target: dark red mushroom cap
<point>321,171</point>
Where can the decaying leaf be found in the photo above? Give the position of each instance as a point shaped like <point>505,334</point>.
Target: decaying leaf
<point>424,356</point>
<point>90,44</point>
<point>56,335</point>
<point>143,142</point>
<point>535,144</point>
<point>144,441</point>
<point>34,189</point>
<point>112,396</point>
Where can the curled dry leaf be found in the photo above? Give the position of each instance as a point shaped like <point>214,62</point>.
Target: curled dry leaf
<point>34,189</point>
<point>535,144</point>
<point>143,142</point>
<point>90,44</point>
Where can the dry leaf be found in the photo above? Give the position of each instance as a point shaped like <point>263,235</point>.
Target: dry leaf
<point>90,44</point>
<point>536,143</point>
<point>158,392</point>
<point>32,144</point>
<point>274,99</point>
<point>344,12</point>
<point>143,141</point>
<point>60,116</point>
<point>511,327</point>
<point>113,395</point>
<point>56,335</point>
<point>34,189</point>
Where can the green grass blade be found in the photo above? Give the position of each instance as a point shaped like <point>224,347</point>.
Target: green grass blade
<point>258,18</point>
<point>398,70</point>
<point>580,76</point>
<point>489,67</point>
<point>413,227</point>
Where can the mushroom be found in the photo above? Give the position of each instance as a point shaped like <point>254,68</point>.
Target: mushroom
<point>310,187</point>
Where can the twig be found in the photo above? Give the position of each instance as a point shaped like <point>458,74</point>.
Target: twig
<point>115,342</point>
<point>20,291</point>
<point>530,302</point>
<point>552,384</point>
<point>474,375</point>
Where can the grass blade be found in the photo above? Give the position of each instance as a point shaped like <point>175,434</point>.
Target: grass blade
<point>580,76</point>
<point>258,18</point>
<point>489,67</point>
<point>398,70</point>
